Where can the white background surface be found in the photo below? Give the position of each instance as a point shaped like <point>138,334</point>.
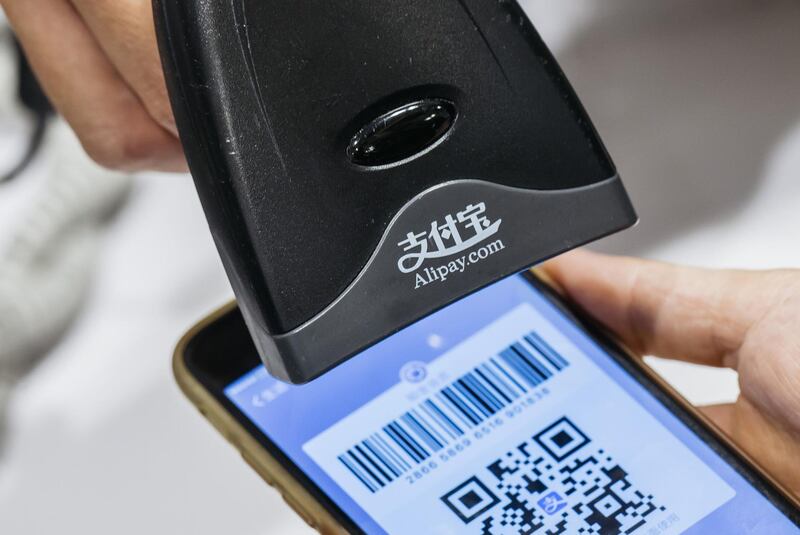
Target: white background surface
<point>698,104</point>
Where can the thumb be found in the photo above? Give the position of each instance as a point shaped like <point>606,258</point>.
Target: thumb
<point>692,314</point>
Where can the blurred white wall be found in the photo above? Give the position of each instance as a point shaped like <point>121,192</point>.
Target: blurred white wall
<point>698,104</point>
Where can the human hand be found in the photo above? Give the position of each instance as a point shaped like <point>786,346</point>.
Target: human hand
<point>745,320</point>
<point>98,62</point>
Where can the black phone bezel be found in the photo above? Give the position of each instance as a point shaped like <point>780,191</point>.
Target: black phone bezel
<point>222,352</point>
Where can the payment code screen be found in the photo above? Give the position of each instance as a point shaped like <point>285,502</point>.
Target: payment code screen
<point>497,415</point>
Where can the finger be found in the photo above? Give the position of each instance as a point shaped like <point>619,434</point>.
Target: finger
<point>126,33</point>
<point>659,309</point>
<point>110,121</point>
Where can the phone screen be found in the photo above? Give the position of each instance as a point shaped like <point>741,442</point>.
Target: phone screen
<point>500,414</point>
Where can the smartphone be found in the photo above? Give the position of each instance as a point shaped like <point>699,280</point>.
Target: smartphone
<point>506,412</point>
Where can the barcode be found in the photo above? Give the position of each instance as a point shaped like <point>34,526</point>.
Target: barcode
<point>441,419</point>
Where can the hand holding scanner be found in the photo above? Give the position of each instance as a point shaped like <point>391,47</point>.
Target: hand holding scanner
<point>363,164</point>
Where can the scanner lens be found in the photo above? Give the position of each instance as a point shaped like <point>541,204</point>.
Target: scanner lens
<point>402,134</point>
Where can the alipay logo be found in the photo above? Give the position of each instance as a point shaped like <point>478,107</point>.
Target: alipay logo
<point>454,235</point>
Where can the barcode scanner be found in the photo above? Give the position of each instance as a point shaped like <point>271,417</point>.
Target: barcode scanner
<point>364,163</point>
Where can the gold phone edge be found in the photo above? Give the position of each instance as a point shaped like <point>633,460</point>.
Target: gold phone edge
<point>300,500</point>
<point>252,452</point>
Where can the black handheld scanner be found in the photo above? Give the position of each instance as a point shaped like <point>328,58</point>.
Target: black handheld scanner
<point>363,163</point>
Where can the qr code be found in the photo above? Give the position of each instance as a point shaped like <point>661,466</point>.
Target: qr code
<point>558,482</point>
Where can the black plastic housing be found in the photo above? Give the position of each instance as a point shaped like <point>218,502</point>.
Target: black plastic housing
<point>275,102</point>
